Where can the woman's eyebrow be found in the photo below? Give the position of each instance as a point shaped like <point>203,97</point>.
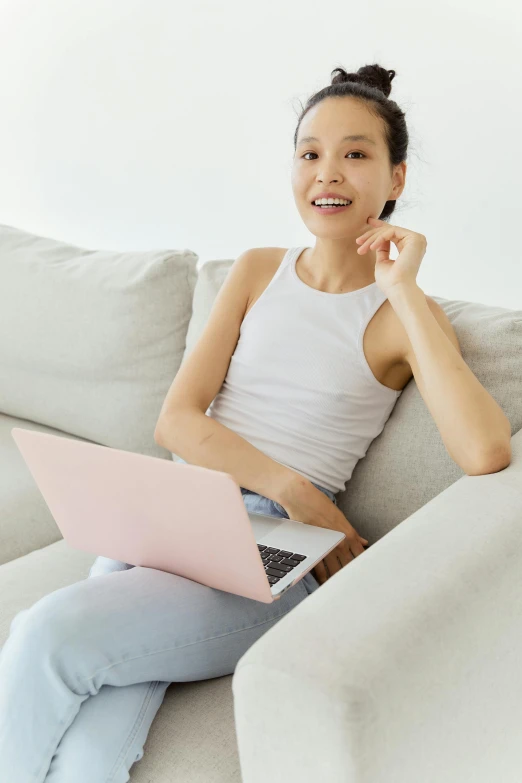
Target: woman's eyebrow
<point>353,137</point>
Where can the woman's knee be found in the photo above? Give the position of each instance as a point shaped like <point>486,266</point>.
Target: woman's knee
<point>17,619</point>
<point>106,565</point>
<point>54,623</point>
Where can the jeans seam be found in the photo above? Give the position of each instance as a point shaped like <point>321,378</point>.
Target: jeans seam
<point>137,724</point>
<point>190,644</point>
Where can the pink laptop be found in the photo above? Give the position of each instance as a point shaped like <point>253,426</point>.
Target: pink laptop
<point>184,519</point>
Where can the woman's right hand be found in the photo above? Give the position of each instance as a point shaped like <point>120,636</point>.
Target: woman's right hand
<point>309,505</point>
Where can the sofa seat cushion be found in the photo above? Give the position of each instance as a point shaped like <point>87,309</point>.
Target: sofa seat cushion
<point>192,737</point>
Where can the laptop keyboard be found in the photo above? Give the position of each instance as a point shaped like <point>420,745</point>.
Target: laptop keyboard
<point>278,562</point>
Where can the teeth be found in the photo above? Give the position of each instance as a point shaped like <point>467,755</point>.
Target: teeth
<point>332,201</point>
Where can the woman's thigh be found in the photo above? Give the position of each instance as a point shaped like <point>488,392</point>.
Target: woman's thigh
<point>143,624</point>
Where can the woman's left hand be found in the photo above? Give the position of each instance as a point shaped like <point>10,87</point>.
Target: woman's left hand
<point>401,271</point>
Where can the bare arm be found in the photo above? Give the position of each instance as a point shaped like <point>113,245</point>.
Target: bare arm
<point>473,426</point>
<point>201,440</point>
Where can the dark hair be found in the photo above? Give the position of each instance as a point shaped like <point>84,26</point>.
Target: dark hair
<point>371,85</point>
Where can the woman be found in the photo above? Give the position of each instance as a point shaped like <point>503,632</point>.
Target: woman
<point>85,669</point>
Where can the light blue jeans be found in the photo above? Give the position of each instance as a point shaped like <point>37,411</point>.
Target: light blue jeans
<point>85,669</point>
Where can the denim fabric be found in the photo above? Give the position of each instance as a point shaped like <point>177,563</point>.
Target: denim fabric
<point>85,669</point>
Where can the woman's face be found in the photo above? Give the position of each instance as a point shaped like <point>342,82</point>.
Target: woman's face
<point>357,169</point>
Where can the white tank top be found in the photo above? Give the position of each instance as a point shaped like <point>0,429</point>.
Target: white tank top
<point>298,386</point>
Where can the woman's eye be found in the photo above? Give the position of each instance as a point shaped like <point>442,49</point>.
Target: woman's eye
<point>350,153</point>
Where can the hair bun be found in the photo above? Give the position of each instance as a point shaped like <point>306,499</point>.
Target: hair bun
<point>373,75</point>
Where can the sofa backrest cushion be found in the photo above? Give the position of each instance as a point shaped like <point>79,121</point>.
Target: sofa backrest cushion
<point>90,340</point>
<point>408,464</point>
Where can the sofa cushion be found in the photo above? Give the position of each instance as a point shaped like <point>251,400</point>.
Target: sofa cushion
<point>90,340</point>
<point>192,737</point>
<point>408,464</point>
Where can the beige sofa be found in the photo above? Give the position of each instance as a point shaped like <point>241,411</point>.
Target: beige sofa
<point>404,666</point>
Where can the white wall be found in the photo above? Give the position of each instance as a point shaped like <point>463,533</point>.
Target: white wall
<point>135,125</point>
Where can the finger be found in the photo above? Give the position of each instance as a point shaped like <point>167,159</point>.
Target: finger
<point>320,573</point>
<point>382,249</point>
<point>372,231</point>
<point>328,569</point>
<point>335,561</point>
<point>346,554</point>
<point>386,236</point>
<point>352,548</point>
<point>345,547</point>
<point>371,240</point>
<point>365,235</point>
<point>379,243</point>
<point>331,564</point>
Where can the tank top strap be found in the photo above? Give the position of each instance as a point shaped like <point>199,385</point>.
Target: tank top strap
<point>372,299</point>
<point>289,258</point>
<point>285,265</point>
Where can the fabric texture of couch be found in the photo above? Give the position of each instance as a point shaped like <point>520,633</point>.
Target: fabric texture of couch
<point>403,666</point>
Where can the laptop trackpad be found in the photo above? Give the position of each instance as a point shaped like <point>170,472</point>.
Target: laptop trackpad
<point>264,524</point>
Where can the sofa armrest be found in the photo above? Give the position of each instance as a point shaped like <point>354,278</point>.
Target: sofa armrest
<point>405,665</point>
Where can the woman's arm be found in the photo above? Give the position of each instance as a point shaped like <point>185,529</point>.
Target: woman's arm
<point>203,441</point>
<point>474,428</point>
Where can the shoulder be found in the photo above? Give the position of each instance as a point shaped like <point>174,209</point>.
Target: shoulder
<point>258,261</point>
<point>266,256</point>
<point>264,262</point>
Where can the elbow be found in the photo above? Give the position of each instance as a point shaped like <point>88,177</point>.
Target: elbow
<point>158,433</point>
<point>494,460</point>
<point>166,427</point>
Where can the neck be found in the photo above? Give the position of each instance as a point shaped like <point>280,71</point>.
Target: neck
<point>337,267</point>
